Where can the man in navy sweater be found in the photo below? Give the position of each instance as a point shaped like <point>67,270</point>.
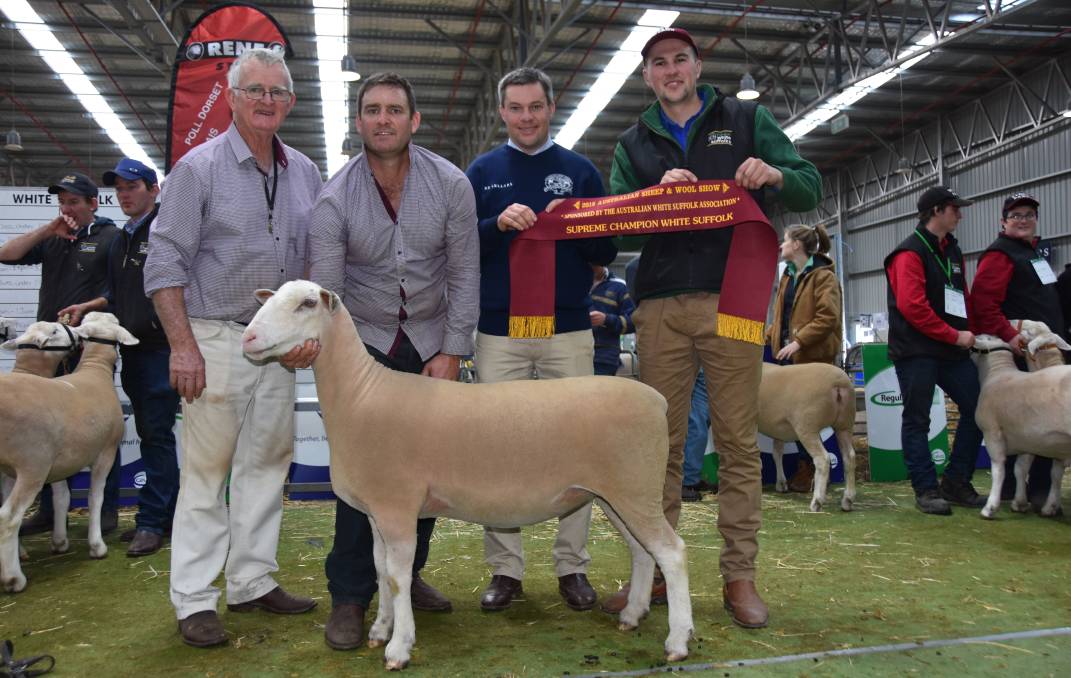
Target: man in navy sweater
<point>528,174</point>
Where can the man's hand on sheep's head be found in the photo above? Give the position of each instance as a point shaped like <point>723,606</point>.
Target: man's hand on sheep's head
<point>302,356</point>
<point>964,339</point>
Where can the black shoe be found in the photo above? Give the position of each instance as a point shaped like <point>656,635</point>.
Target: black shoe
<point>930,501</point>
<point>577,591</point>
<point>38,523</point>
<point>109,521</point>
<point>425,597</point>
<point>961,493</point>
<point>689,493</point>
<point>500,593</point>
<point>704,486</point>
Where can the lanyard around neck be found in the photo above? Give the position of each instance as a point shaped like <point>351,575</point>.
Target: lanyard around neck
<point>946,267</point>
<point>270,197</point>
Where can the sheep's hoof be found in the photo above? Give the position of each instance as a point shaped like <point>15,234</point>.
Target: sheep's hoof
<point>396,664</point>
<point>376,642</point>
<point>676,656</point>
<point>61,546</point>
<point>816,506</point>
<point>988,513</point>
<point>1054,511</point>
<point>625,626</point>
<point>1023,507</point>
<point>781,486</point>
<point>847,504</point>
<point>98,551</point>
<point>15,584</point>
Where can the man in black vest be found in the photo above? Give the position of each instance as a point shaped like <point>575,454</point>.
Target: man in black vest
<point>1015,282</point>
<point>145,368</point>
<point>694,132</point>
<point>929,345</point>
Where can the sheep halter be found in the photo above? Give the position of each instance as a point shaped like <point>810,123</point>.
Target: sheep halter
<point>667,208</point>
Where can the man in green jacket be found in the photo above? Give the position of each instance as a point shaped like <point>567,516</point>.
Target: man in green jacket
<point>693,133</point>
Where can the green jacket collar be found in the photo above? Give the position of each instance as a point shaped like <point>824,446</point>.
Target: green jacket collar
<point>653,120</point>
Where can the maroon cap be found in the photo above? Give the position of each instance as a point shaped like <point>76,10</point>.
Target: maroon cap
<point>667,34</point>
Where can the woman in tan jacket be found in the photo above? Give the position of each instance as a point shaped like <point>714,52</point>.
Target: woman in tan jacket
<point>808,319</point>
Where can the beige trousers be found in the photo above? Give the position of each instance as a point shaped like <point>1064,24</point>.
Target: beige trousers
<point>243,424</point>
<point>674,337</point>
<point>570,354</point>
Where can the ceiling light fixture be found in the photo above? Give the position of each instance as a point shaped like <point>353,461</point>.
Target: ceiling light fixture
<point>349,69</point>
<point>747,90</point>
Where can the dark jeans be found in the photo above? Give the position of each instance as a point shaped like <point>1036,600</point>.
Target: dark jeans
<point>111,483</point>
<point>605,369</point>
<point>146,380</point>
<point>351,566</point>
<point>958,379</point>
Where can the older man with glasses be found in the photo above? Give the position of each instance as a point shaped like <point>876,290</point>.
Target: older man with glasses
<point>1014,281</point>
<point>233,218</point>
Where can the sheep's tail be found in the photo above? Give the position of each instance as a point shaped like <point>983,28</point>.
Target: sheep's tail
<point>843,407</point>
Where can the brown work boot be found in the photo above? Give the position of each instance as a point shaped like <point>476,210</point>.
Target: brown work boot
<point>202,629</point>
<point>144,543</point>
<point>345,627</point>
<point>745,606</point>
<point>427,598</point>
<point>577,591</point>
<point>617,602</point>
<point>500,593</point>
<point>803,479</point>
<point>276,601</point>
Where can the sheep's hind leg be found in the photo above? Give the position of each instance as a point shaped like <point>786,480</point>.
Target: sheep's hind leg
<point>643,566</point>
<point>6,485</point>
<point>1052,507</point>
<point>15,504</point>
<point>847,453</point>
<point>813,443</point>
<point>997,455</point>
<point>61,503</point>
<point>97,476</point>
<point>1020,504</point>
<point>779,464</point>
<point>381,629</point>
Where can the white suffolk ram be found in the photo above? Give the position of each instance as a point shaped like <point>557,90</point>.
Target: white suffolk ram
<point>52,428</point>
<point>405,446</point>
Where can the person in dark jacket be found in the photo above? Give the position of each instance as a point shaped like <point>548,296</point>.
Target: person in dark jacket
<point>808,320</point>
<point>694,132</point>
<point>145,366</point>
<point>928,345</point>
<point>611,316</point>
<point>1015,282</point>
<point>72,250</point>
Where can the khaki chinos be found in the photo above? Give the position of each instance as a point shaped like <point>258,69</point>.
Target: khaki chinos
<point>675,336</point>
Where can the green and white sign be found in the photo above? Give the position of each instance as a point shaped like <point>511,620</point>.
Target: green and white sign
<point>884,415</point>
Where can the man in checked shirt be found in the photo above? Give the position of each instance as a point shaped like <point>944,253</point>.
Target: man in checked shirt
<point>394,234</point>
<point>233,218</point>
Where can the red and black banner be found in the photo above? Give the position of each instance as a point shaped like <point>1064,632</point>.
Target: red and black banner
<point>198,109</point>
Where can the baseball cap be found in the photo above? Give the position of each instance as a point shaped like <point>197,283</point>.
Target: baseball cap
<point>669,34</point>
<point>76,183</point>
<point>939,195</point>
<point>1018,199</point>
<point>131,170</point>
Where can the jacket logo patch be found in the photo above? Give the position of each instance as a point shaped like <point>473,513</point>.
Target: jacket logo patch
<point>558,184</point>
<point>89,247</point>
<point>956,268</point>
<point>720,137</point>
<point>143,248</point>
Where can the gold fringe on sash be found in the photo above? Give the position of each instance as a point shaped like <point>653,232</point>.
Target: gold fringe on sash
<point>531,327</point>
<point>735,327</point>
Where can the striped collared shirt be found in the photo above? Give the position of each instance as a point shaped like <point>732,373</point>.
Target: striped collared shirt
<point>431,253</point>
<point>211,236</point>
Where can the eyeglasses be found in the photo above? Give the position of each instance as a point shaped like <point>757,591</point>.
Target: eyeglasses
<point>1029,216</point>
<point>256,93</point>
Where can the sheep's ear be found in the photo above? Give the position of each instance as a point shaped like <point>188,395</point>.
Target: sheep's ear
<point>10,345</point>
<point>263,295</point>
<point>331,300</point>
<point>124,337</point>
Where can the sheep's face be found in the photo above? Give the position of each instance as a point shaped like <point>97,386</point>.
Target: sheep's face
<point>1047,340</point>
<point>288,317</point>
<point>104,326</point>
<point>43,334</point>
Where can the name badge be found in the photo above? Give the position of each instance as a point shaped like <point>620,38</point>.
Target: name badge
<point>90,247</point>
<point>143,248</point>
<point>1044,271</point>
<point>955,302</point>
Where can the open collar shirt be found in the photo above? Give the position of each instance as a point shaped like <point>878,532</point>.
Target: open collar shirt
<point>431,253</point>
<point>211,236</point>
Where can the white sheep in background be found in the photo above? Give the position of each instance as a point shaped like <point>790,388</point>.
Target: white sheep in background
<point>52,428</point>
<point>795,403</point>
<point>502,455</point>
<point>39,351</point>
<point>1023,412</point>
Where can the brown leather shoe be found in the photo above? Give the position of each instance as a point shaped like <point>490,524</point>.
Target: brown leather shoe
<point>202,629</point>
<point>144,543</point>
<point>746,608</point>
<point>38,523</point>
<point>128,535</point>
<point>617,602</point>
<point>427,598</point>
<point>345,627</point>
<point>276,601</point>
<point>803,478</point>
<point>500,593</point>
<point>576,591</point>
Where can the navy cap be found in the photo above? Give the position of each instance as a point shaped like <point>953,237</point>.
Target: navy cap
<point>670,34</point>
<point>131,170</point>
<point>76,183</point>
<point>940,195</point>
<point>1018,199</point>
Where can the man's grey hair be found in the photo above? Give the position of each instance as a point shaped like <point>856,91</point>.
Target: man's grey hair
<point>525,76</point>
<point>265,56</point>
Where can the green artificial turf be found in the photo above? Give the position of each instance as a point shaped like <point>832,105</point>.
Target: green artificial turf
<point>882,574</point>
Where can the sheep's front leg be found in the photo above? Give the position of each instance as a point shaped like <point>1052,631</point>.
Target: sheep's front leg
<point>398,534</point>
<point>381,629</point>
<point>1020,504</point>
<point>97,476</point>
<point>1052,506</point>
<point>817,450</point>
<point>997,454</point>
<point>7,483</point>
<point>847,453</point>
<point>779,464</point>
<point>61,503</point>
<point>15,504</point>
